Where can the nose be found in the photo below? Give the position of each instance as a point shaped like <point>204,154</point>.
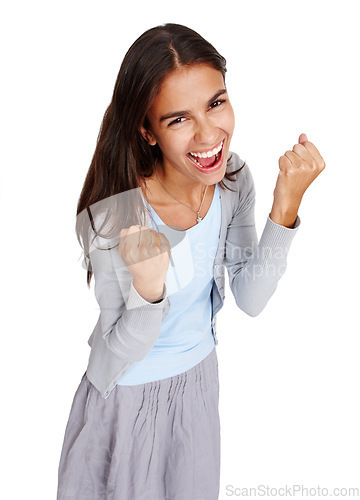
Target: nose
<point>206,132</point>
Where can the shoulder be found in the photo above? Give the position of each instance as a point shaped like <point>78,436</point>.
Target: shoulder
<point>238,171</point>
<point>239,194</point>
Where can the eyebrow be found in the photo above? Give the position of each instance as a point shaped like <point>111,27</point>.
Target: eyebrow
<point>176,114</point>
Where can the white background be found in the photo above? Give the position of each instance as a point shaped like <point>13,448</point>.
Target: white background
<point>289,378</point>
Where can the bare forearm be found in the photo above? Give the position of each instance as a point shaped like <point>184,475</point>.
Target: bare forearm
<point>154,295</point>
<point>285,216</point>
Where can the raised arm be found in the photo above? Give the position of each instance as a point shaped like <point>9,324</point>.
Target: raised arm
<point>254,267</point>
<point>130,315</point>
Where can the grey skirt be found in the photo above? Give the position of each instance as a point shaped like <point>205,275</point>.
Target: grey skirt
<point>154,441</point>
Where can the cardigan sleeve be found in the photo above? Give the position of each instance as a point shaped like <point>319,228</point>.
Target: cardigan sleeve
<point>130,325</point>
<point>254,267</point>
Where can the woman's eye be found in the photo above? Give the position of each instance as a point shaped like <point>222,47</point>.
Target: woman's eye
<point>177,120</point>
<point>217,103</point>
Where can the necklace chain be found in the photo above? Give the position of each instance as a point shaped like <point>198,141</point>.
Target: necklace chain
<point>197,212</point>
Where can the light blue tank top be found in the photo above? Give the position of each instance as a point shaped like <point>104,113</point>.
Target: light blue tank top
<point>185,336</point>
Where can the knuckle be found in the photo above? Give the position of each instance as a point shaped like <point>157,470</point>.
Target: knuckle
<point>298,147</point>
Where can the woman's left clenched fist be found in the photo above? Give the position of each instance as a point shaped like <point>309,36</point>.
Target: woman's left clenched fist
<point>298,169</point>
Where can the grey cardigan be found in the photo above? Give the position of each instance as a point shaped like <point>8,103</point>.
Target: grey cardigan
<point>128,325</point>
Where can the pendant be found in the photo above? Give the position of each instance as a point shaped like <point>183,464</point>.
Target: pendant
<point>198,219</point>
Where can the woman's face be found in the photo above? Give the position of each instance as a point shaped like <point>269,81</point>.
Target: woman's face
<point>192,121</point>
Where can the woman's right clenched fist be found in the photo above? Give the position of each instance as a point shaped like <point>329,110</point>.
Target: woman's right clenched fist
<point>146,254</point>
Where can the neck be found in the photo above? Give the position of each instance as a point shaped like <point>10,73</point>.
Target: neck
<point>180,186</point>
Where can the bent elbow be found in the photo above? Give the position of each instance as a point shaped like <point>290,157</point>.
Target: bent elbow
<point>252,312</point>
<point>251,309</point>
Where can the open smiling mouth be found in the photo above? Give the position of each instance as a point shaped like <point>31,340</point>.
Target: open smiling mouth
<point>208,159</point>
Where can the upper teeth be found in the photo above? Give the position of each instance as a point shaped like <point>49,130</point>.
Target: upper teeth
<point>209,153</point>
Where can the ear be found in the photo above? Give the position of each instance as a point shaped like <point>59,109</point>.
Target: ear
<point>147,135</point>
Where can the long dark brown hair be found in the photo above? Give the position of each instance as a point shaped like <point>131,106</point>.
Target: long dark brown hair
<point>123,159</point>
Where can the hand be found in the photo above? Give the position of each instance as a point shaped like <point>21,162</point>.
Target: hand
<point>298,169</point>
<point>146,254</point>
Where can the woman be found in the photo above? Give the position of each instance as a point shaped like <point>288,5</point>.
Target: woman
<point>144,423</point>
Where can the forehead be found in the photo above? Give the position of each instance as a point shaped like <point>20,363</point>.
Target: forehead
<point>187,87</point>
